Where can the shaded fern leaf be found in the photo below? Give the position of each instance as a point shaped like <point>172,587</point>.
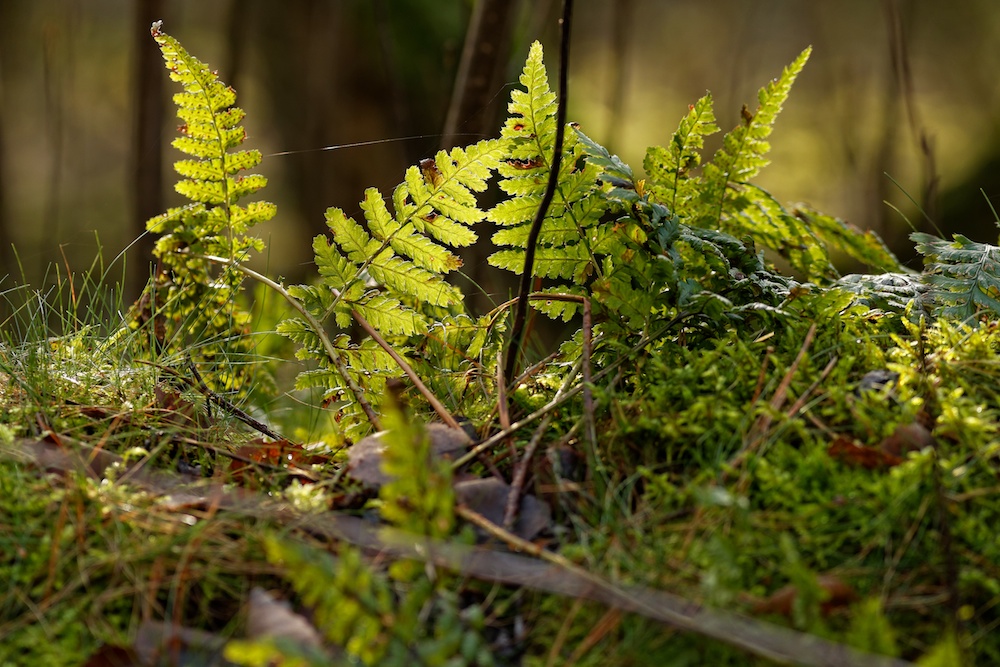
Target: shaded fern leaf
<point>964,276</point>
<point>886,292</point>
<point>863,245</point>
<point>759,215</point>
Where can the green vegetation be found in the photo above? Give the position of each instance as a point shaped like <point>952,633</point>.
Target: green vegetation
<point>739,426</point>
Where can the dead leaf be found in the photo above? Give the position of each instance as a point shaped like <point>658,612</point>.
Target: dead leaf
<point>838,595</point>
<point>852,453</point>
<point>270,617</point>
<point>113,656</point>
<point>907,438</point>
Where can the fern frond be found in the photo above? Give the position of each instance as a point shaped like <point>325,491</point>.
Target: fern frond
<point>669,170</point>
<point>390,268</point>
<point>862,245</point>
<point>756,213</point>
<point>964,276</point>
<point>564,250</point>
<point>744,149</point>
<point>193,302</point>
<point>885,292</point>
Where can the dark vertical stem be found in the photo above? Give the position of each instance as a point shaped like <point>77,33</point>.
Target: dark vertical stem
<point>517,330</point>
<point>475,111</point>
<point>147,147</point>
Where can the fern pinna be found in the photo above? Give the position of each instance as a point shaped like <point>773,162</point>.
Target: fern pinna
<point>720,195</point>
<point>191,299</point>
<point>390,273</point>
<point>963,276</point>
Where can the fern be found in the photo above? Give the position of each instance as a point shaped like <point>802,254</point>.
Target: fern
<point>574,245</point>
<point>669,169</point>
<point>886,292</point>
<point>720,195</point>
<point>390,272</point>
<point>864,246</point>
<point>744,149</point>
<point>191,301</point>
<point>964,276</point>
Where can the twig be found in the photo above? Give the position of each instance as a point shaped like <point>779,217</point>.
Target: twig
<point>503,411</point>
<point>338,361</point>
<point>517,330</point>
<point>521,474</point>
<point>797,405</point>
<point>559,400</point>
<point>588,395</point>
<point>212,397</point>
<point>760,428</point>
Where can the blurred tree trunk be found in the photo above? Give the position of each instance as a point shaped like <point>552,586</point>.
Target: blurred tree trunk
<point>6,253</point>
<point>485,54</point>
<point>147,146</point>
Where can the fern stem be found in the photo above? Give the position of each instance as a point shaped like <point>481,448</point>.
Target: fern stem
<point>517,331</point>
<point>317,326</point>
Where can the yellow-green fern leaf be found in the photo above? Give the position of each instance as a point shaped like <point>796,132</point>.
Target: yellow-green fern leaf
<point>744,149</point>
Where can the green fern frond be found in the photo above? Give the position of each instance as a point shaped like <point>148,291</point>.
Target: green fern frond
<point>744,149</point>
<point>193,302</point>
<point>390,269</point>
<point>669,170</point>
<point>964,276</point>
<point>211,129</point>
<point>756,213</point>
<point>886,292</point>
<point>565,247</point>
<point>863,245</point>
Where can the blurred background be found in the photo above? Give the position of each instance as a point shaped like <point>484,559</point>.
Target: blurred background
<point>896,116</point>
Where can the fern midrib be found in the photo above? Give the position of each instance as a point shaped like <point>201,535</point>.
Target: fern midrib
<point>205,92</point>
<point>974,284</point>
<point>386,243</point>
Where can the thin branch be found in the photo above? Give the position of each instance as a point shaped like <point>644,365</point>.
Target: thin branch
<point>588,395</point>
<point>517,331</point>
<point>521,474</point>
<point>559,400</point>
<point>212,397</point>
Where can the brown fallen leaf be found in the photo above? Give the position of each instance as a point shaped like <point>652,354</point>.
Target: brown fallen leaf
<point>838,595</point>
<point>907,438</point>
<point>852,453</point>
